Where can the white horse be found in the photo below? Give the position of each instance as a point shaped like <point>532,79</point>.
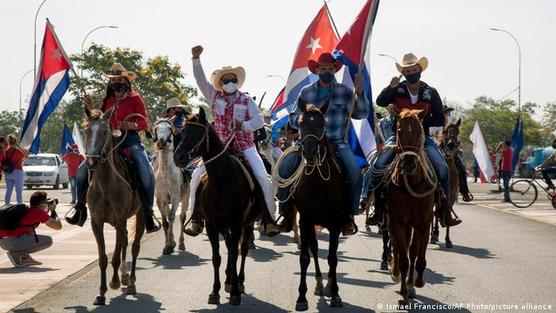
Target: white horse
<point>170,187</point>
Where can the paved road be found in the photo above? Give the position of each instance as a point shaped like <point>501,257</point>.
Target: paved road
<point>498,259</point>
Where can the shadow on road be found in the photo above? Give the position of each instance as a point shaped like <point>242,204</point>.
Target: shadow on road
<point>137,304</point>
<point>435,278</point>
<point>260,254</point>
<point>479,253</point>
<point>175,261</point>
<point>323,306</point>
<point>15,270</point>
<point>343,279</point>
<point>425,304</point>
<point>249,303</point>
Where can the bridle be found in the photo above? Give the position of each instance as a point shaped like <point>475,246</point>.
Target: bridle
<point>195,150</point>
<point>165,121</point>
<point>449,153</point>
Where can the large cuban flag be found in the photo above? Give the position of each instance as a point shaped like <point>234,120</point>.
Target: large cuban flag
<point>353,53</point>
<point>318,38</point>
<point>51,84</point>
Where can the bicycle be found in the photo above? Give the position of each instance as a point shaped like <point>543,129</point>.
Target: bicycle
<point>524,192</point>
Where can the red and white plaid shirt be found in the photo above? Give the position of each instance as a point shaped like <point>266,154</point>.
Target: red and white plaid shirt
<point>236,108</point>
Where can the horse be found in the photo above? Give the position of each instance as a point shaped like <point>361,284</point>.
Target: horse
<point>450,146</point>
<point>410,201</point>
<point>317,197</point>
<point>229,204</point>
<point>113,200</point>
<point>170,187</point>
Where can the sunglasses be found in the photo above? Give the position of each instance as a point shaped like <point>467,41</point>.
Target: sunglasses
<point>229,80</point>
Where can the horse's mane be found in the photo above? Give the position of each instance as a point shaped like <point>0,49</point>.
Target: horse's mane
<point>94,114</point>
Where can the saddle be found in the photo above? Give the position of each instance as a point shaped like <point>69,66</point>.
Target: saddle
<point>247,172</point>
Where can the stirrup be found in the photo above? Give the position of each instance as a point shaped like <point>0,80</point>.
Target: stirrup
<point>281,227</point>
<point>467,197</point>
<point>156,227</point>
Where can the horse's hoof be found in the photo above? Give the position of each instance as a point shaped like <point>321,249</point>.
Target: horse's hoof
<point>252,246</point>
<point>302,306</point>
<point>115,284</point>
<point>433,240</point>
<point>181,247</point>
<point>235,300</point>
<point>241,288</point>
<point>319,290</point>
<point>395,278</point>
<point>449,245</point>
<point>100,300</point>
<point>336,302</point>
<point>411,292</point>
<point>131,290</point>
<point>214,299</point>
<point>419,282</point>
<point>368,228</point>
<point>228,288</point>
<point>328,290</point>
<point>384,266</point>
<point>125,279</point>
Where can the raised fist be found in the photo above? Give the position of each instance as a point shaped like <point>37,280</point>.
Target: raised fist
<point>196,51</point>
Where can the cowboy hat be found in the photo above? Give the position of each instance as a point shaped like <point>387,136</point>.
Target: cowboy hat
<point>324,59</point>
<point>175,103</point>
<point>447,109</point>
<point>410,59</point>
<point>118,70</point>
<point>239,72</point>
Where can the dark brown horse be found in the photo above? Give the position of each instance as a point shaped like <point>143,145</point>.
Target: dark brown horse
<point>450,146</point>
<point>113,200</point>
<point>410,202</point>
<point>321,198</point>
<point>227,202</point>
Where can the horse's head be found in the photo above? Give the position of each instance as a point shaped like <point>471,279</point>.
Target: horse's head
<point>410,138</point>
<point>194,139</point>
<point>450,135</point>
<point>163,130</point>
<point>97,135</point>
<point>312,126</point>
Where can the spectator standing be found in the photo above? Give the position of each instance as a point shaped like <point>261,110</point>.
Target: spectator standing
<point>12,166</point>
<point>73,159</point>
<point>506,166</point>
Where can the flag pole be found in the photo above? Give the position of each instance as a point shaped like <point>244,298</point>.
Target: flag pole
<point>331,20</point>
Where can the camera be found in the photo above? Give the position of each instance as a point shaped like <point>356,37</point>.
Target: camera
<point>52,201</point>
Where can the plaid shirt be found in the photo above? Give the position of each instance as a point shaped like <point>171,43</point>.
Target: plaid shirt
<point>338,109</point>
<point>236,107</point>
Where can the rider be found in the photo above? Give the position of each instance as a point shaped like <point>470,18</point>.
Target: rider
<point>416,95</point>
<point>335,100</point>
<point>233,112</point>
<point>122,100</point>
<point>178,113</point>
<point>549,167</point>
<point>460,164</point>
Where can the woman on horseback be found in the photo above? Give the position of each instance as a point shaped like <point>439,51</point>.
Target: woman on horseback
<point>121,101</point>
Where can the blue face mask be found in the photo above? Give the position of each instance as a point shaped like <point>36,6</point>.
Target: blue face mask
<point>326,77</point>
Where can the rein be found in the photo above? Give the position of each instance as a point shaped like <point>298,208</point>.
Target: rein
<point>424,163</point>
<point>206,137</point>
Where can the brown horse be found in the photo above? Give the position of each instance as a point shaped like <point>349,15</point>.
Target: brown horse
<point>111,200</point>
<point>450,146</point>
<point>228,204</point>
<point>410,202</point>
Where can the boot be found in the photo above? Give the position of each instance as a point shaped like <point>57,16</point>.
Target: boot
<point>194,228</point>
<point>376,218</point>
<point>444,214</point>
<point>150,224</point>
<point>288,218</point>
<point>350,228</point>
<point>80,216</point>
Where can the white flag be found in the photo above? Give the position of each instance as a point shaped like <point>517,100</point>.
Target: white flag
<point>480,151</point>
<point>77,138</point>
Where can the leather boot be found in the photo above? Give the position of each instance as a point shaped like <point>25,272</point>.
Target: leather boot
<point>80,216</point>
<point>288,218</point>
<point>444,214</point>
<point>350,228</point>
<point>150,224</point>
<point>376,218</point>
<point>194,228</point>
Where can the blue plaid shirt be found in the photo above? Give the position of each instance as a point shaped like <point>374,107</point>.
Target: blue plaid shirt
<point>338,108</point>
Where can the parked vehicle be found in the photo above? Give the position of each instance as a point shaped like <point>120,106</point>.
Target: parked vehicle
<point>45,169</point>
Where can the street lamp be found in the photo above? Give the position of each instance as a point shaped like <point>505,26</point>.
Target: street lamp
<point>89,33</point>
<point>278,76</point>
<point>20,82</point>
<point>35,42</point>
<point>388,56</point>
<point>519,72</point>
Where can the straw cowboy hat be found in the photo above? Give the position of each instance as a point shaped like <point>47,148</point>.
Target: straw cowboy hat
<point>118,70</point>
<point>175,103</point>
<point>239,72</point>
<point>324,59</point>
<point>410,59</point>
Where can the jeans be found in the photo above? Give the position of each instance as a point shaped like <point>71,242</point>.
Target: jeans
<point>73,188</point>
<point>506,175</point>
<point>462,173</point>
<point>14,180</point>
<point>291,161</point>
<point>25,244</point>
<point>432,150</point>
<point>546,172</point>
<point>140,165</point>
<point>366,182</point>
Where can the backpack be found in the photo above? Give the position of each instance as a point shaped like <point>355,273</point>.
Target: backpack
<point>11,214</point>
<point>7,165</point>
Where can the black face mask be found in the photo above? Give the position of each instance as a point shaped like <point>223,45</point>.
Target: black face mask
<point>413,78</point>
<point>326,77</point>
<point>118,87</point>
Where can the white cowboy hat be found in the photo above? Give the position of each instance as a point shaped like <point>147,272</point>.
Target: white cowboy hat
<point>118,70</point>
<point>410,59</point>
<point>239,72</point>
<point>175,103</point>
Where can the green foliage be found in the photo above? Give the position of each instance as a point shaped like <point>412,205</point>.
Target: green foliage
<point>10,122</point>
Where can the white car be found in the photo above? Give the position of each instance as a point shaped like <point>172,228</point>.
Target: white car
<point>45,169</point>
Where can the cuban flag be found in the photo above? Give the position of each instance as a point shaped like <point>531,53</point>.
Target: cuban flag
<point>319,38</point>
<point>353,53</point>
<point>67,140</point>
<point>51,84</point>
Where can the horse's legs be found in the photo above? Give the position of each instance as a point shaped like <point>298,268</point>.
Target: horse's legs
<point>435,232</point>
<point>116,257</point>
<point>314,246</point>
<point>214,297</point>
<point>98,229</point>
<point>304,260</point>
<point>448,240</point>
<point>233,254</point>
<point>421,263</point>
<point>162,204</point>
<point>332,285</point>
<point>385,248</point>
<point>296,229</point>
<point>183,217</point>
<point>413,249</point>
<point>171,219</point>
<point>123,266</point>
<point>135,247</point>
<point>245,242</point>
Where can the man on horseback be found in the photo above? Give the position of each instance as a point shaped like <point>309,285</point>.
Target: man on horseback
<point>334,100</point>
<point>236,117</point>
<point>413,94</point>
<point>178,113</point>
<point>122,101</point>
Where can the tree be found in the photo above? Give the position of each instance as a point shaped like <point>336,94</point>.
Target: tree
<point>10,122</point>
<point>549,117</point>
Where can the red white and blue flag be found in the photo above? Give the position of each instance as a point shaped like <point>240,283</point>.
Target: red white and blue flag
<point>353,53</point>
<point>51,84</point>
<point>319,38</point>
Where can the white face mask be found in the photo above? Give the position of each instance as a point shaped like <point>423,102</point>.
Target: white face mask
<point>230,87</point>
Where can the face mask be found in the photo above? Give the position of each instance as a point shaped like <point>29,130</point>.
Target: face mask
<point>326,77</point>
<point>413,78</point>
<point>179,114</point>
<point>230,87</point>
<point>118,87</point>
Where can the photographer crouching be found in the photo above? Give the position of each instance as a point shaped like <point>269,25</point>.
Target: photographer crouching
<point>17,228</point>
